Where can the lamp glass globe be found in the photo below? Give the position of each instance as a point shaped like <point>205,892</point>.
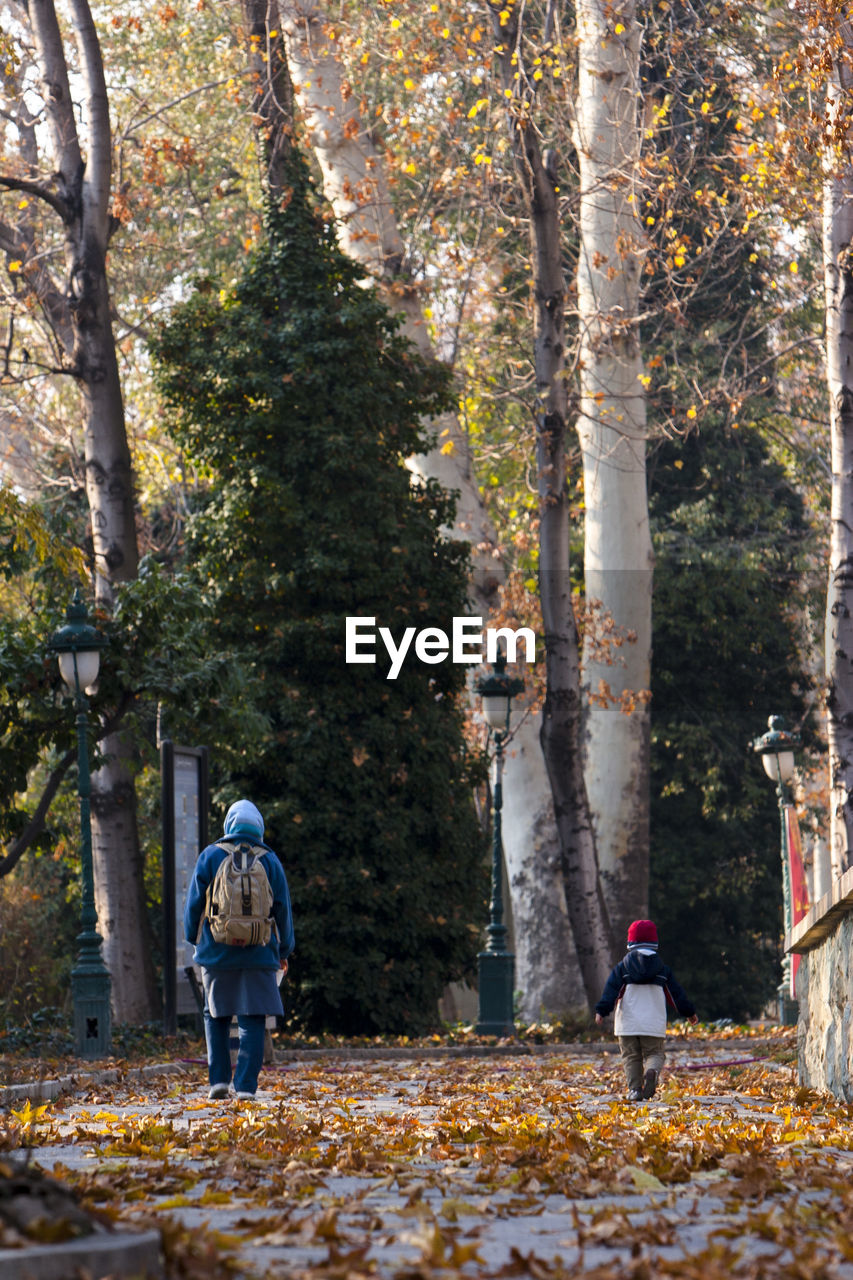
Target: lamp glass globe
<point>88,664</point>
<point>779,765</point>
<point>496,710</point>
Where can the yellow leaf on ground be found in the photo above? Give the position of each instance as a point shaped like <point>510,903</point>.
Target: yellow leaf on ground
<point>644,1180</point>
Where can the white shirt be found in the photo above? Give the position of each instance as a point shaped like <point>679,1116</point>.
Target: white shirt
<point>641,1011</point>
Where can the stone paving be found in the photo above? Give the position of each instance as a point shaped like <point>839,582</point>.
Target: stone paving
<point>482,1167</point>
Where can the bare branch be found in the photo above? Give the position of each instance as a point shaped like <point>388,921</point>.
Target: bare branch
<point>35,826</point>
<point>7,349</point>
<point>39,192</point>
<point>550,19</point>
<point>175,102</point>
<point>37,280</point>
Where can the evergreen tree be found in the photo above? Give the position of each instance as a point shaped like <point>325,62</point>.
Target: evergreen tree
<point>298,399</point>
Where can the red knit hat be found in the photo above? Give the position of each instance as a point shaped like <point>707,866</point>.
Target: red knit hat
<point>642,931</point>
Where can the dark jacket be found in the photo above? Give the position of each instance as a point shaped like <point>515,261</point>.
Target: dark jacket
<point>218,955</point>
<point>643,967</point>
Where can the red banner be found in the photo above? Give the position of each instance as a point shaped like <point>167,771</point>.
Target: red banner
<point>798,885</point>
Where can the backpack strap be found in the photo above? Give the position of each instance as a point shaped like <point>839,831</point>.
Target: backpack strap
<point>228,847</point>
<point>241,847</point>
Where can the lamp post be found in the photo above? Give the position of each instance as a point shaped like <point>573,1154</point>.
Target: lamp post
<point>496,964</point>
<point>776,748</point>
<point>78,646</point>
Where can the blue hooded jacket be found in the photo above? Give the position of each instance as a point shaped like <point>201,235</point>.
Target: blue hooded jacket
<point>242,822</point>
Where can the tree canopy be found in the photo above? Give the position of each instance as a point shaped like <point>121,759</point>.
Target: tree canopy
<point>272,498</point>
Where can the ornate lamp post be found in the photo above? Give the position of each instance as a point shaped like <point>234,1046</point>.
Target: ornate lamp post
<point>78,646</point>
<point>776,748</point>
<point>496,964</point>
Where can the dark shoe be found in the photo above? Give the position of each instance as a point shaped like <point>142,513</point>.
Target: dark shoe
<point>635,1095</point>
<point>650,1083</point>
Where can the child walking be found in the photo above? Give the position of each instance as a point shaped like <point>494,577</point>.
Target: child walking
<point>640,987</point>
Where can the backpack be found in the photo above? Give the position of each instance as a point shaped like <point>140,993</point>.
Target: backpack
<point>239,898</point>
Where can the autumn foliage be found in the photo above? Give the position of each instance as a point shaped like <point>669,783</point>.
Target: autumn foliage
<point>509,1166</point>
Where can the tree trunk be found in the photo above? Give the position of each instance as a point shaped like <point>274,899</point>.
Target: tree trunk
<point>272,109</point>
<point>547,971</point>
<point>119,899</point>
<point>612,429</point>
<point>838,275</point>
<point>82,176</point>
<point>561,719</point>
<point>355,184</point>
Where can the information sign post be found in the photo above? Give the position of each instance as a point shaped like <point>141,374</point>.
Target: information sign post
<point>185,797</point>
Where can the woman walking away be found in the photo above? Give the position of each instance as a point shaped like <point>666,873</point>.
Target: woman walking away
<point>238,916</point>
<point>640,988</point>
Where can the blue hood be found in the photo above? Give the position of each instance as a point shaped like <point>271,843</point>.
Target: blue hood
<point>640,966</point>
<point>243,819</point>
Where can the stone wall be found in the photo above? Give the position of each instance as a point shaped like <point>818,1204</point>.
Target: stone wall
<point>824,940</point>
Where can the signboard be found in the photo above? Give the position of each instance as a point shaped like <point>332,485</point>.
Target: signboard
<point>183,774</point>
<point>797,882</point>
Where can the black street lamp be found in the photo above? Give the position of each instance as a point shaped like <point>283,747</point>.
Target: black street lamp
<point>78,646</point>
<point>496,964</point>
<point>776,748</point>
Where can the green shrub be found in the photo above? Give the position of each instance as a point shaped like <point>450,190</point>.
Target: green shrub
<point>36,953</point>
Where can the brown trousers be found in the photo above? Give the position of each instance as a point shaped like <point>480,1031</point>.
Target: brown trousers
<point>639,1055</point>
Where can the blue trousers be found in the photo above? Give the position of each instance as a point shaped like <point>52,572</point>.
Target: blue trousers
<point>250,1056</point>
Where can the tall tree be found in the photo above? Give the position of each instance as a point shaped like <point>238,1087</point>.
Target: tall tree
<point>562,716</point>
<point>838,275</point>
<point>355,180</point>
<point>613,433</point>
<point>300,400</point>
<point>77,191</point>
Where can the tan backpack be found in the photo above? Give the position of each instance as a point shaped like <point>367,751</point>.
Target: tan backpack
<point>239,898</point>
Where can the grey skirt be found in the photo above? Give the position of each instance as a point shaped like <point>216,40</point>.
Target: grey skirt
<point>230,992</point>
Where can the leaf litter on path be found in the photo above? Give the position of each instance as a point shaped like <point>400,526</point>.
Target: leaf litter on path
<point>476,1167</point>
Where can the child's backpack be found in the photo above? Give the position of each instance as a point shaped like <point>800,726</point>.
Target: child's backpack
<point>239,898</point>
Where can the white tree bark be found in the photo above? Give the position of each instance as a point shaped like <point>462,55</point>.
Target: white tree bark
<point>561,727</point>
<point>355,184</point>
<point>612,429</point>
<point>838,276</point>
<point>79,191</point>
<point>547,971</point>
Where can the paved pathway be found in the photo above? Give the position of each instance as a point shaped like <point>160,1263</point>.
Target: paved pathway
<point>491,1166</point>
